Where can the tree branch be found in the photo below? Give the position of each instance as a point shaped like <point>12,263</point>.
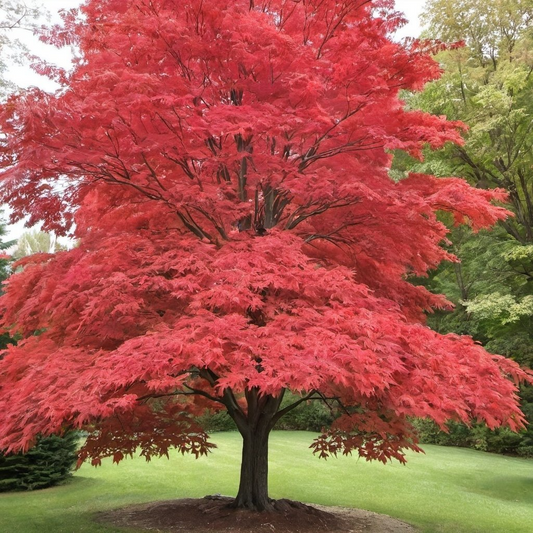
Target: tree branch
<point>293,405</point>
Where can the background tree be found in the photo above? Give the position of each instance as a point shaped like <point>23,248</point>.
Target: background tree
<point>487,83</point>
<point>226,166</point>
<point>35,241</point>
<point>5,271</point>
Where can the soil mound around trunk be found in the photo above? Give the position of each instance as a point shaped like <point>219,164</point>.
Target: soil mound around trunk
<point>215,514</point>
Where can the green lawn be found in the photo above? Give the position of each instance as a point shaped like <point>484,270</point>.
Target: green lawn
<point>447,490</point>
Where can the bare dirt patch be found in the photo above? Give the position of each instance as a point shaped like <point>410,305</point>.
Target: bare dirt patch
<point>214,514</point>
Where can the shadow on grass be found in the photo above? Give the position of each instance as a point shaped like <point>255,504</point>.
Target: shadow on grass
<point>505,488</point>
<point>82,481</point>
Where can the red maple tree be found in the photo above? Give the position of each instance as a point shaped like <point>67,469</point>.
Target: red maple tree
<point>225,167</point>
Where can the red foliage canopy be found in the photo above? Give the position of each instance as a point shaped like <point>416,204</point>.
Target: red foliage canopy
<point>225,167</point>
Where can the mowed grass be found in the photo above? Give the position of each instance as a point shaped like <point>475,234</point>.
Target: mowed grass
<point>446,490</point>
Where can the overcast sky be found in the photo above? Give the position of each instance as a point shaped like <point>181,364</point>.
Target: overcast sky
<point>412,10</point>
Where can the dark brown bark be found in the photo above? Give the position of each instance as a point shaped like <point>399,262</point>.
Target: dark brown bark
<point>253,486</point>
<point>255,426</point>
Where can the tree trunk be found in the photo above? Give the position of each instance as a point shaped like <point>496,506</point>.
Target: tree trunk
<point>253,487</point>
<point>254,425</point>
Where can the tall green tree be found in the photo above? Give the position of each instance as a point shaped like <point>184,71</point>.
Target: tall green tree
<point>36,241</point>
<point>5,270</point>
<point>487,84</point>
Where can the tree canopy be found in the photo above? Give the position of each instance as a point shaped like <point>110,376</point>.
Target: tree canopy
<point>225,168</point>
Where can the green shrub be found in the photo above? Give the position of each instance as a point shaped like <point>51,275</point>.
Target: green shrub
<point>308,416</point>
<point>525,451</point>
<point>478,437</point>
<point>48,463</point>
<point>215,421</point>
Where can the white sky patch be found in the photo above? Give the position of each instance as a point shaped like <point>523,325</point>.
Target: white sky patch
<point>22,75</point>
<point>412,10</point>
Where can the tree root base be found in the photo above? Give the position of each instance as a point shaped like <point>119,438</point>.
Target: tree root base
<point>217,514</point>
